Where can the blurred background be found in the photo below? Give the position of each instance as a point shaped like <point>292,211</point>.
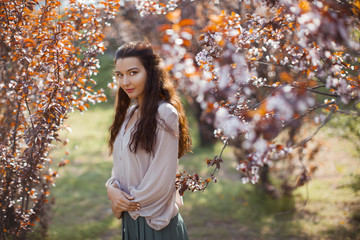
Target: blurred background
<point>326,207</point>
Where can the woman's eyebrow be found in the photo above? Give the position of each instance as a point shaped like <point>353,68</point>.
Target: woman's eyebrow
<point>134,68</point>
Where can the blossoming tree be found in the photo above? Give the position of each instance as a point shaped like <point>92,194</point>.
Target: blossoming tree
<point>47,57</point>
<point>264,68</point>
<point>257,68</point>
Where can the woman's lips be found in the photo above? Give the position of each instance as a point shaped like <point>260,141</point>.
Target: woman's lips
<point>130,90</point>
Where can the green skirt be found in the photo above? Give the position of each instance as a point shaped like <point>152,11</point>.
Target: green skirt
<point>139,230</point>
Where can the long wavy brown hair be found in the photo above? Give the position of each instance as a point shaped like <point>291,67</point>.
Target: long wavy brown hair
<point>158,87</point>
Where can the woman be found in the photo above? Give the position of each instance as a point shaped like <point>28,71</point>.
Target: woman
<point>146,140</point>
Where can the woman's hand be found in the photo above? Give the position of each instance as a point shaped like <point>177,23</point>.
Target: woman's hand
<point>121,201</point>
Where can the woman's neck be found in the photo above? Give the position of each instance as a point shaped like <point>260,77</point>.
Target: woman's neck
<point>140,102</point>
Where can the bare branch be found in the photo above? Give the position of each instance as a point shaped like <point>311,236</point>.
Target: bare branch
<point>327,119</point>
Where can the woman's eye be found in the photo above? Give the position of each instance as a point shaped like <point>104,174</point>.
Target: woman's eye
<point>119,75</point>
<point>132,73</point>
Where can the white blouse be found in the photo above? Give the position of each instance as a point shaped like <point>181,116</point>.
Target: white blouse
<point>150,178</point>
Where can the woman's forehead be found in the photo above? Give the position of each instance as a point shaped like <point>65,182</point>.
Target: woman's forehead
<point>125,64</point>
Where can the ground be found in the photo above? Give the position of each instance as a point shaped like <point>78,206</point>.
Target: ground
<point>226,210</point>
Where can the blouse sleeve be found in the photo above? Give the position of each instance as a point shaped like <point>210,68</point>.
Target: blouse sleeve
<point>156,190</point>
<point>112,180</point>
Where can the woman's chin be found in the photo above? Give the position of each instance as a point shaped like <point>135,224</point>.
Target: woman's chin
<point>132,95</point>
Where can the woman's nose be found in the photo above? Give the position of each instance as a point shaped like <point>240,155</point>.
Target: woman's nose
<point>126,81</point>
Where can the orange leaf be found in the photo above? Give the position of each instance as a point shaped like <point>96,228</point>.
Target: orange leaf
<point>216,19</point>
<point>211,28</point>
<point>176,27</point>
<point>174,16</point>
<point>187,22</point>
<point>286,77</point>
<point>28,40</point>
<point>164,27</point>
<point>304,5</point>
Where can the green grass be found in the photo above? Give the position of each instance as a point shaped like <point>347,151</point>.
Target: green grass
<point>225,210</point>
<point>81,207</point>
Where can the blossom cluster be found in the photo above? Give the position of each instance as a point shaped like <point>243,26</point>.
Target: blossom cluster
<point>260,68</point>
<point>262,72</point>
<point>147,7</point>
<point>300,57</point>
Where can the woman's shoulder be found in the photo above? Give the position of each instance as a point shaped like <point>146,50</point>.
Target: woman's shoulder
<point>166,109</point>
<point>130,109</point>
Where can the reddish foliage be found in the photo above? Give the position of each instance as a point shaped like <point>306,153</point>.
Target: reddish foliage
<point>264,67</point>
<point>47,60</point>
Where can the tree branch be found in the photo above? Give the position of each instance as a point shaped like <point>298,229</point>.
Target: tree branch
<point>309,111</point>
<point>350,113</point>
<point>322,93</point>
<point>317,130</point>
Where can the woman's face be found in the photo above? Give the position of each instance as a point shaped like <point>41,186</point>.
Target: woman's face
<point>132,76</point>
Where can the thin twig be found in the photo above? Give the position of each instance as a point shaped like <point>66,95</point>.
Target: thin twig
<point>317,130</point>
<point>321,93</point>
<point>354,114</point>
<point>15,128</point>
<point>222,150</point>
<point>319,86</point>
<point>267,97</point>
<point>307,112</point>
<point>28,108</point>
